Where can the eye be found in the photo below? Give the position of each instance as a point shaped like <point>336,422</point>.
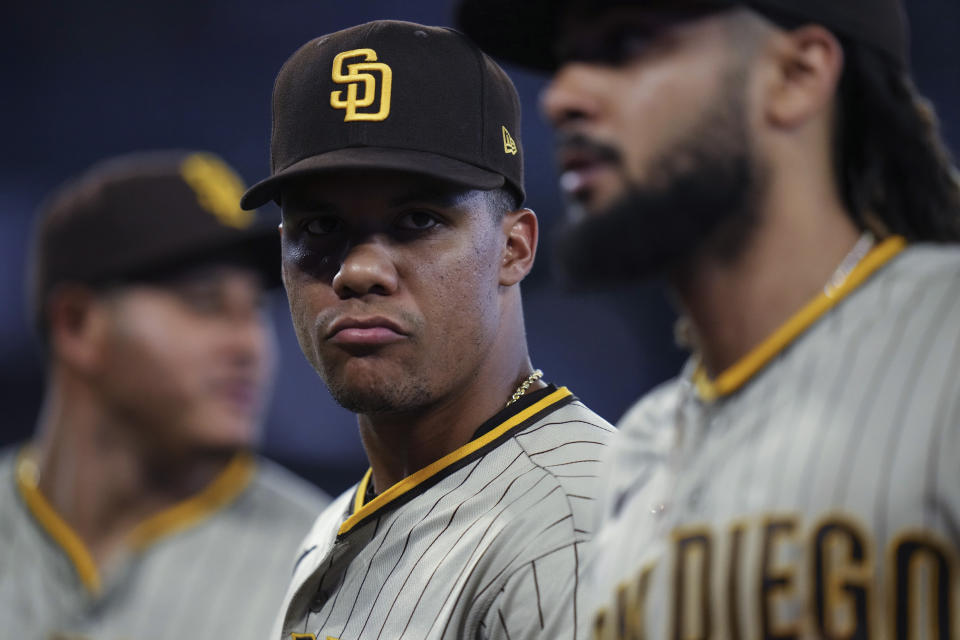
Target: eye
<point>323,225</point>
<point>417,220</point>
<point>613,47</point>
<point>201,297</point>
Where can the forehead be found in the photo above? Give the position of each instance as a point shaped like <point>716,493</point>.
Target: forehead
<point>588,33</point>
<point>371,191</point>
<point>207,276</point>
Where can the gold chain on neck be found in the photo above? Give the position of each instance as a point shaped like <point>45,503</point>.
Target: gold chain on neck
<point>522,389</point>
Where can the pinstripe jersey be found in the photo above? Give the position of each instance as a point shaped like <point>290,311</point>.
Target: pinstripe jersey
<point>211,566</point>
<point>476,545</point>
<point>812,490</point>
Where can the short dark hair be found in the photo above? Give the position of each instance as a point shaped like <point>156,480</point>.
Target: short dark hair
<point>894,172</point>
<point>502,201</point>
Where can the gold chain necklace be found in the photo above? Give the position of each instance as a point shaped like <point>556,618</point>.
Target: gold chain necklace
<point>849,263</point>
<point>522,389</point>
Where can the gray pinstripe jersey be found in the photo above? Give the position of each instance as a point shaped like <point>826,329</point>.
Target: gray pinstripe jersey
<point>477,545</point>
<point>820,499</point>
<point>215,566</point>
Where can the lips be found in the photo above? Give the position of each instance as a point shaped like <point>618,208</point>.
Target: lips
<point>241,392</point>
<point>349,331</point>
<point>581,165</point>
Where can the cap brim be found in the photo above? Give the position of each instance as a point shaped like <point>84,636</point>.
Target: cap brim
<point>257,247</point>
<point>373,158</point>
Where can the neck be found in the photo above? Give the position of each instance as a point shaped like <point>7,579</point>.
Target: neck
<point>100,478</point>
<point>734,304</point>
<point>399,444</point>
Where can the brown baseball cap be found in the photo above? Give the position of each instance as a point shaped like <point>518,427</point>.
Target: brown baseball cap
<point>139,215</point>
<point>399,96</point>
<point>526,32</point>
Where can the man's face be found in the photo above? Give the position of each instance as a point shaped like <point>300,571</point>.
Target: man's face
<point>190,360</point>
<point>393,283</point>
<point>651,112</point>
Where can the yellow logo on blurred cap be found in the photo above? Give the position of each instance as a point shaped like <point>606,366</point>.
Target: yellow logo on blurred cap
<point>217,187</point>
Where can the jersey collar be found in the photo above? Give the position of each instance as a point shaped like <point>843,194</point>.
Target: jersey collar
<point>757,358</point>
<point>516,416</point>
<point>224,489</point>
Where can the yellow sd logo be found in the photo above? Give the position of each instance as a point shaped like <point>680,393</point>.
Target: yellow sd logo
<point>353,77</point>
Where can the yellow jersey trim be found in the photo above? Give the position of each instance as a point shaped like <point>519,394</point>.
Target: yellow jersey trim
<point>222,491</point>
<point>62,534</point>
<point>361,511</point>
<point>744,369</point>
<point>362,491</point>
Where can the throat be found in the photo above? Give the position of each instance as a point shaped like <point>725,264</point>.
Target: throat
<point>399,445</point>
<point>105,496</point>
<point>731,308</point>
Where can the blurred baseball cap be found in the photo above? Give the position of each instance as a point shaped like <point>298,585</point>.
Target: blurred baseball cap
<point>137,216</point>
<point>398,96</point>
<point>525,32</point>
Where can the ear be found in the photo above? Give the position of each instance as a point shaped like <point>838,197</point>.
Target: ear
<point>521,231</point>
<point>808,63</point>
<point>77,323</point>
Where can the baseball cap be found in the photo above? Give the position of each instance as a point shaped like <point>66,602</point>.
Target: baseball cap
<point>525,32</point>
<point>141,214</point>
<point>399,96</point>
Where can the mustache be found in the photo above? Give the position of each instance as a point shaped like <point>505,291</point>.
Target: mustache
<point>578,142</point>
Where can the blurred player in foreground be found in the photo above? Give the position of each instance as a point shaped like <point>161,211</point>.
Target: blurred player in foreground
<point>138,510</point>
<point>772,160</point>
<point>396,157</point>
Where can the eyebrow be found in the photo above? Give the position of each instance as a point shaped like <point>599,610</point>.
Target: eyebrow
<point>436,196</point>
<point>448,197</point>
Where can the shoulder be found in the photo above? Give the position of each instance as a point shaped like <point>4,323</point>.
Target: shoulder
<point>562,453</point>
<point>285,494</point>
<point>911,307</point>
<point>916,277</point>
<point>567,445</point>
<point>322,533</point>
<point>650,421</point>
<point>573,424</point>
<point>8,458</point>
<point>926,261</point>
<point>8,498</point>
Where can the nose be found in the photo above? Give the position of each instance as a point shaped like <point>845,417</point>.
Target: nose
<point>367,268</point>
<point>567,99</point>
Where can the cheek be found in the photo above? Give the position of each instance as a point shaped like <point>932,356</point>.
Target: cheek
<point>307,298</point>
<point>154,360</point>
<point>660,105</point>
<point>650,116</point>
<point>465,297</point>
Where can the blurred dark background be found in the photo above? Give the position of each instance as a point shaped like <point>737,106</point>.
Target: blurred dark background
<point>91,78</point>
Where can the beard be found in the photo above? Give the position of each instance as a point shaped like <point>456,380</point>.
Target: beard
<point>700,198</point>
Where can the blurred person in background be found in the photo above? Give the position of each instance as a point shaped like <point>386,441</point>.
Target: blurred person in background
<point>773,162</point>
<point>138,509</point>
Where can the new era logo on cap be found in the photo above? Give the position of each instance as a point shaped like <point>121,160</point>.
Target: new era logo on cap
<point>396,96</point>
<point>509,144</point>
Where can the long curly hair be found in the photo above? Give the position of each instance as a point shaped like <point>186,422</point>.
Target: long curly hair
<point>894,171</point>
